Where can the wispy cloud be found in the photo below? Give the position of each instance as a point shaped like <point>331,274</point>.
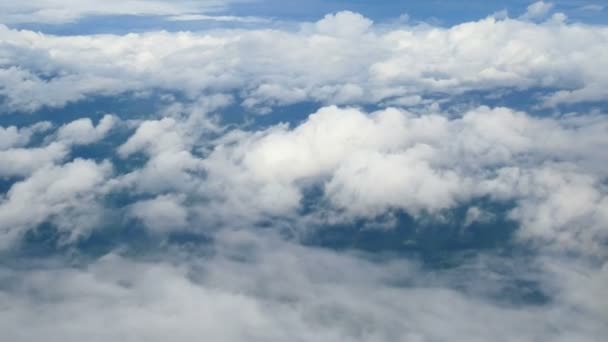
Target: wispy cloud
<point>64,11</point>
<point>221,18</point>
<point>592,8</point>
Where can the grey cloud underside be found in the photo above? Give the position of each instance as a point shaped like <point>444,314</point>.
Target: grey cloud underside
<point>341,59</point>
<point>391,212</point>
<point>260,288</point>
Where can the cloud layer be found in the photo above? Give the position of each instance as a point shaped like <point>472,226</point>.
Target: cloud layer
<point>364,164</point>
<point>196,217</point>
<point>259,288</point>
<point>400,65</point>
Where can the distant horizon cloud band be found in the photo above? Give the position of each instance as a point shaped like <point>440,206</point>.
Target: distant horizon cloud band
<point>237,171</point>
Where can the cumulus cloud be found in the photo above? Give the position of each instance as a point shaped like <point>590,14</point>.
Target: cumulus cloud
<point>24,161</point>
<point>343,24</point>
<point>170,163</point>
<point>153,137</point>
<point>341,59</point>
<point>64,195</point>
<point>18,160</point>
<point>13,136</point>
<point>163,213</point>
<point>365,164</point>
<point>368,164</point>
<point>385,144</point>
<point>82,131</point>
<point>563,206</point>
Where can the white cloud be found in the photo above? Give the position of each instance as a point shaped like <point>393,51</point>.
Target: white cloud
<point>168,144</point>
<point>561,205</point>
<point>369,184</point>
<point>537,10</point>
<point>153,137</point>
<point>161,214</point>
<point>24,161</point>
<point>12,136</point>
<point>369,164</point>
<point>235,295</point>
<point>342,59</point>
<point>65,195</point>
<point>82,131</point>
<point>26,91</point>
<point>343,24</point>
<point>65,11</point>
<point>190,173</point>
<point>16,160</point>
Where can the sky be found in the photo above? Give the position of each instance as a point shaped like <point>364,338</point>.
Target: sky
<point>264,170</point>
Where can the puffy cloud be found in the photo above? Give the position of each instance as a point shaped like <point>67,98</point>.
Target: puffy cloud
<point>343,24</point>
<point>17,160</point>
<point>25,90</point>
<point>369,164</point>
<point>65,195</point>
<point>537,10</point>
<point>12,136</point>
<point>163,213</point>
<point>341,59</point>
<point>82,131</point>
<point>366,164</point>
<point>154,137</point>
<point>168,145</point>
<point>243,186</point>
<point>372,183</point>
<point>564,206</point>
<point>24,161</point>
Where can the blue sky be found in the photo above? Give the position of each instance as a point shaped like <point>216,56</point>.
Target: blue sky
<point>438,12</point>
<point>447,12</point>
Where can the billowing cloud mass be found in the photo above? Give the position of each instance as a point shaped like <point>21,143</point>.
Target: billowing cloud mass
<point>64,195</point>
<point>343,179</point>
<point>367,64</point>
